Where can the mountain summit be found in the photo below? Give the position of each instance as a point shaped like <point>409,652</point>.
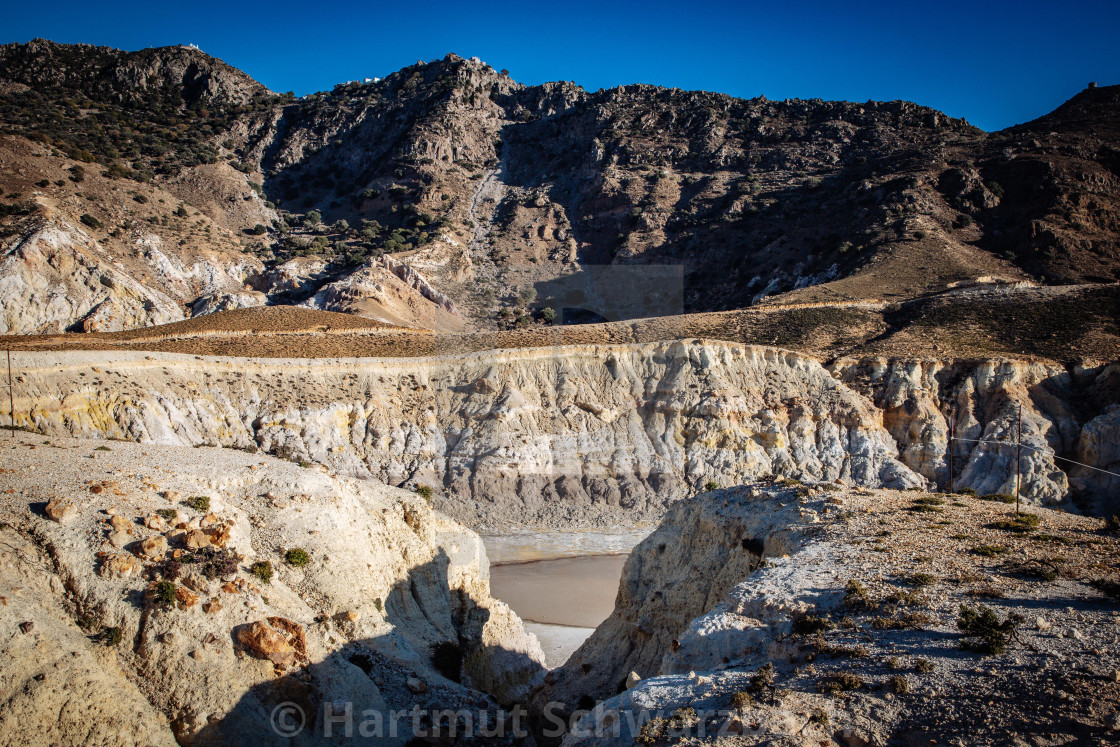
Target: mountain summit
<point>489,201</point>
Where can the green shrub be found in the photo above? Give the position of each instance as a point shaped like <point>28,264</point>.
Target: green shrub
<point>198,503</point>
<point>967,491</point>
<point>763,680</point>
<point>898,685</point>
<point>424,491</point>
<point>984,632</point>
<point>1019,524</point>
<point>856,596</point>
<point>1040,572</point>
<point>839,683</point>
<point>920,580</point>
<point>923,508</point>
<point>167,513</point>
<point>923,666</point>
<point>297,557</point>
<point>90,221</point>
<point>163,594</point>
<point>711,485</point>
<point>111,636</point>
<point>742,700</point>
<point>998,497</point>
<point>262,569</point>
<point>989,551</point>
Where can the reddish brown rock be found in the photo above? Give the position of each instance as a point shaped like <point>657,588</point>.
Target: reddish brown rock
<point>277,639</point>
<point>153,548</point>
<point>61,509</point>
<point>185,598</point>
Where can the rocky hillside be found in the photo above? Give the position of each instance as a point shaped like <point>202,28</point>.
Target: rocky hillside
<point>800,616</point>
<point>580,436</point>
<point>510,199</point>
<point>164,595</point>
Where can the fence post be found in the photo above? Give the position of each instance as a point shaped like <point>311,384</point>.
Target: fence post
<point>1019,460</point>
<point>952,434</point>
<point>11,398</point>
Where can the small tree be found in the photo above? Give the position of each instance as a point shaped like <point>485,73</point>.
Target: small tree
<point>341,226</point>
<point>313,218</point>
<point>548,315</point>
<point>528,295</point>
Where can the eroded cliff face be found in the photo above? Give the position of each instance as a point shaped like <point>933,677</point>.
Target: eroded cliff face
<point>795,615</point>
<point>581,435</point>
<point>1068,414</point>
<point>87,635</point>
<point>559,436</point>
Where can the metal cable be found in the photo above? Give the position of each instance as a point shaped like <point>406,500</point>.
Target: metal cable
<point>1036,448</point>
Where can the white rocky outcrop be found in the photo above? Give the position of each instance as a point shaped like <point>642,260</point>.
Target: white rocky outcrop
<point>918,398</point>
<point>565,435</point>
<point>55,277</point>
<point>793,615</point>
<point>581,434</point>
<point>388,578</point>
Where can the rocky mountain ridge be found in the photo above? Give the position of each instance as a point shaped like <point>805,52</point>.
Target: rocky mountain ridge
<point>496,192</point>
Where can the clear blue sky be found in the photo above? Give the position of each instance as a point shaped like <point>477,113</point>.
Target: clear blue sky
<point>994,63</point>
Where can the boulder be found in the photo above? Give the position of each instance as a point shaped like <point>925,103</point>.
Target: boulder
<point>121,566</point>
<point>277,639</point>
<point>61,509</point>
<point>196,539</point>
<point>153,548</point>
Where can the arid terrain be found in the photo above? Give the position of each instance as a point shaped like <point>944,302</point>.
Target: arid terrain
<point>278,362</point>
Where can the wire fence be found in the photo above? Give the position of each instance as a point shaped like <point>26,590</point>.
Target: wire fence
<point>1035,448</point>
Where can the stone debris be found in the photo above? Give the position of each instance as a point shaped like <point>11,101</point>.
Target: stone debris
<point>196,539</point>
<point>61,509</point>
<point>122,566</point>
<point>185,598</point>
<point>153,548</point>
<point>120,524</point>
